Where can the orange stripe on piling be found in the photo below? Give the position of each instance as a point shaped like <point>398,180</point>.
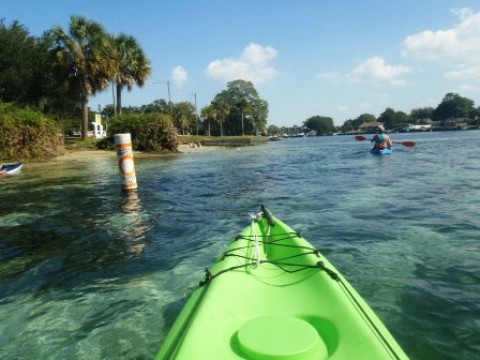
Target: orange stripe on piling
<point>126,158</point>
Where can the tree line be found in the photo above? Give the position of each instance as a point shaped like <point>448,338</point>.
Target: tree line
<point>453,107</point>
<point>451,111</point>
<point>237,110</point>
<point>59,71</point>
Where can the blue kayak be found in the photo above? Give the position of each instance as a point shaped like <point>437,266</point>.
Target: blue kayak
<point>381,152</point>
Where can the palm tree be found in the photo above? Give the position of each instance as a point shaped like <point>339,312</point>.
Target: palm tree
<point>133,66</point>
<point>82,58</point>
<point>210,113</point>
<point>184,116</point>
<point>220,104</point>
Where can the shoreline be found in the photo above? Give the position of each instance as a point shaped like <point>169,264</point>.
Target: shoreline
<point>188,145</point>
<point>87,154</point>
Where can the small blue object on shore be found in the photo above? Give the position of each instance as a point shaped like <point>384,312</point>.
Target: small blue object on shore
<point>11,169</point>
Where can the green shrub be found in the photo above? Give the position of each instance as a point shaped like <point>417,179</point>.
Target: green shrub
<point>150,132</point>
<point>27,133</point>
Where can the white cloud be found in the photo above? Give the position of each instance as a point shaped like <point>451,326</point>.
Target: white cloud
<point>468,73</point>
<point>179,75</point>
<point>463,13</point>
<point>253,65</point>
<point>333,75</point>
<point>457,47</point>
<point>375,68</point>
<point>468,88</point>
<point>459,44</point>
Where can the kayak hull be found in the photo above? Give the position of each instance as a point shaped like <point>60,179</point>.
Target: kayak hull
<point>381,152</point>
<point>12,169</point>
<point>271,295</point>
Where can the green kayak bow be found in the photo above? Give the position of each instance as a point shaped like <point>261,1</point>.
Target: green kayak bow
<point>272,295</point>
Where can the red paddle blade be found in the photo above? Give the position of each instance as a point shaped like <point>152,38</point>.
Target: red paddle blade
<point>408,143</point>
<point>360,138</point>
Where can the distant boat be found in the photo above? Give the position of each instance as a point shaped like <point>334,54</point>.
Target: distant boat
<point>276,138</point>
<point>10,169</point>
<point>298,135</point>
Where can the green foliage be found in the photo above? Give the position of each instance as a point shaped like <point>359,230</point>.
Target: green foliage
<point>22,65</point>
<point>239,110</point>
<point>274,130</point>
<point>421,114</point>
<point>321,124</point>
<point>133,65</point>
<point>160,106</point>
<point>364,118</point>
<point>26,134</point>
<point>184,117</point>
<point>354,124</point>
<point>347,127</point>
<point>88,144</point>
<point>454,106</point>
<point>391,118</point>
<point>83,60</point>
<point>210,116</point>
<point>387,118</point>
<point>149,132</point>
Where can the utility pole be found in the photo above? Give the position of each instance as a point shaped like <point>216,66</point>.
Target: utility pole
<point>196,114</point>
<point>168,88</point>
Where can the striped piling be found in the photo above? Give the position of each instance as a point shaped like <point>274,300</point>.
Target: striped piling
<point>126,165</point>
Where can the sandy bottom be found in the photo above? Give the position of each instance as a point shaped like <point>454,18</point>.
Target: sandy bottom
<point>184,148</point>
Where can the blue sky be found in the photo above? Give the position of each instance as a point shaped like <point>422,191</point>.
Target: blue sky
<point>330,58</point>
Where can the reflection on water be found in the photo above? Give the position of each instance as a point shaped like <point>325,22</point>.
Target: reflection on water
<point>89,272</point>
<point>131,202</point>
<point>137,228</point>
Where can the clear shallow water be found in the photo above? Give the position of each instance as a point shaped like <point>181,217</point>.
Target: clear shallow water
<point>87,273</point>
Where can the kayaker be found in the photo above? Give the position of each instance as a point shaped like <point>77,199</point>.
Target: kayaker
<point>381,140</point>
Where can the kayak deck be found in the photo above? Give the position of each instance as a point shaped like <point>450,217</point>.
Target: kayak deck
<point>271,295</point>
